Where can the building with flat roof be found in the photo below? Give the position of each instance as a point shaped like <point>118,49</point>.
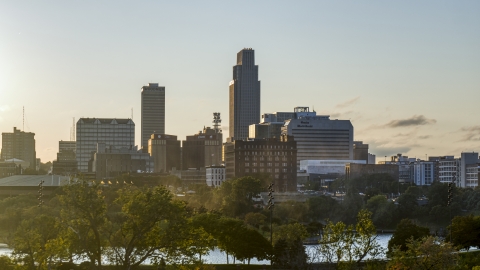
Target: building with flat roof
<point>244,95</point>
<point>353,171</point>
<point>109,131</point>
<point>215,175</point>
<point>166,152</point>
<point>272,157</point>
<point>19,145</point>
<point>153,112</point>
<point>327,166</point>
<point>466,159</point>
<point>320,138</point>
<point>202,149</point>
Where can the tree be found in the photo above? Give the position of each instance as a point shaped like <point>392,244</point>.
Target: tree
<point>149,222</point>
<point>426,253</point>
<point>382,210</point>
<point>406,230</point>
<point>341,245</point>
<point>84,220</point>
<point>290,233</point>
<point>289,255</point>
<point>465,232</point>
<point>255,220</point>
<point>236,195</point>
<point>321,207</point>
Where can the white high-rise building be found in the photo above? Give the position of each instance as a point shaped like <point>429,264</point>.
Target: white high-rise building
<point>109,131</point>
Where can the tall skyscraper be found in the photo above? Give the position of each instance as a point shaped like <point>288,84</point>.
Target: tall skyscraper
<point>244,107</point>
<point>153,112</point>
<point>20,145</point>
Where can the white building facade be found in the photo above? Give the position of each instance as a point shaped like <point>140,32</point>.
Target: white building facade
<point>215,175</point>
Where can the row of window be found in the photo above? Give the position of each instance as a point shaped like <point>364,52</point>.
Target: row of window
<point>268,164</point>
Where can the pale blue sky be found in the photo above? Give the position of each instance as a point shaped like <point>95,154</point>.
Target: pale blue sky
<point>373,62</point>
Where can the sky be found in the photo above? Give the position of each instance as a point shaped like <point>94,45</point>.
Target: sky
<point>406,73</point>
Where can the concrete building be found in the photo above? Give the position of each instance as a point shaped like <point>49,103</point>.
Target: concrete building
<point>319,138</point>
<point>472,175</point>
<point>110,131</point>
<point>405,167</point>
<point>360,151</point>
<point>275,158</point>
<point>244,95</point>
<point>353,171</point>
<point>19,145</point>
<point>66,163</point>
<point>424,172</point>
<point>153,112</point>
<point>371,159</point>
<point>202,149</point>
<point>191,177</point>
<point>448,169</point>
<point>327,166</point>
<point>8,169</point>
<point>466,159</point>
<point>165,150</point>
<point>265,130</point>
<point>110,162</point>
<point>215,175</point>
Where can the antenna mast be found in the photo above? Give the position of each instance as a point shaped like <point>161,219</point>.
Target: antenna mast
<point>132,113</point>
<point>216,122</point>
<point>23,118</point>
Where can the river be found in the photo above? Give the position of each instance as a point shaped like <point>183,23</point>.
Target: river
<point>217,256</point>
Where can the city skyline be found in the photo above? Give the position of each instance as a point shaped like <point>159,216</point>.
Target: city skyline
<point>405,74</point>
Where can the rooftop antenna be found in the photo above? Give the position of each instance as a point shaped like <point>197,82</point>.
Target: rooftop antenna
<point>132,113</point>
<point>23,118</point>
<point>216,122</point>
<point>72,131</point>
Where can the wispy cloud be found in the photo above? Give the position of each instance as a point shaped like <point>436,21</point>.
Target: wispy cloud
<point>472,133</point>
<point>348,102</point>
<point>424,137</point>
<point>416,120</point>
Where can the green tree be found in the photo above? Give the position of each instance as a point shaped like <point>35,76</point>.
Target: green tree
<point>149,222</point>
<point>321,207</point>
<point>236,195</point>
<point>382,210</point>
<point>406,230</point>
<point>465,232</point>
<point>290,255</point>
<point>290,233</point>
<point>84,220</point>
<point>6,263</point>
<point>255,220</point>
<point>426,253</point>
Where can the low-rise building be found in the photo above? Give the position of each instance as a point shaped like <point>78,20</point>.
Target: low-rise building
<point>166,152</point>
<point>353,171</point>
<point>215,175</point>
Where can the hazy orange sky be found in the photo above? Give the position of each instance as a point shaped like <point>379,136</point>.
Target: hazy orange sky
<point>405,73</point>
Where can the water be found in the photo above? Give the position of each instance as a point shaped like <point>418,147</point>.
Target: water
<point>217,256</point>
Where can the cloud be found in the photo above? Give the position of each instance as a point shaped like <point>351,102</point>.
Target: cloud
<point>416,120</point>
<point>348,102</point>
<point>381,151</point>
<point>4,108</point>
<point>424,137</point>
<point>338,114</point>
<point>472,133</point>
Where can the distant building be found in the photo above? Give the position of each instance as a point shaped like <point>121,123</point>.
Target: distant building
<point>467,159</point>
<point>371,159</point>
<point>265,130</point>
<point>405,167</point>
<point>360,151</point>
<point>165,150</point>
<point>244,95</point>
<point>215,176</point>
<point>273,157</point>
<point>19,145</point>
<point>472,175</point>
<point>8,169</point>
<point>110,162</point>
<point>424,172</point>
<point>153,112</point>
<point>202,149</point>
<point>66,163</point>
<point>327,166</point>
<point>319,138</point>
<point>353,171</point>
<point>109,131</point>
<point>191,176</point>
<point>447,169</point>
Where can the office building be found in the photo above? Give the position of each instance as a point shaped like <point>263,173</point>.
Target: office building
<point>265,130</point>
<point>113,161</point>
<point>472,175</point>
<point>467,159</point>
<point>360,151</point>
<point>327,166</point>
<point>191,177</point>
<point>319,137</point>
<point>19,145</point>
<point>276,158</point>
<point>405,167</point>
<point>424,172</point>
<point>244,95</point>
<point>166,152</point>
<point>153,112</point>
<point>215,175</point>
<point>353,171</point>
<point>448,168</point>
<point>66,163</point>
<point>202,149</point>
<point>109,131</point>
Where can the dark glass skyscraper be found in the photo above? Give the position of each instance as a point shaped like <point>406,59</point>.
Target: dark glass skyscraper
<point>244,107</point>
<point>153,112</point>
